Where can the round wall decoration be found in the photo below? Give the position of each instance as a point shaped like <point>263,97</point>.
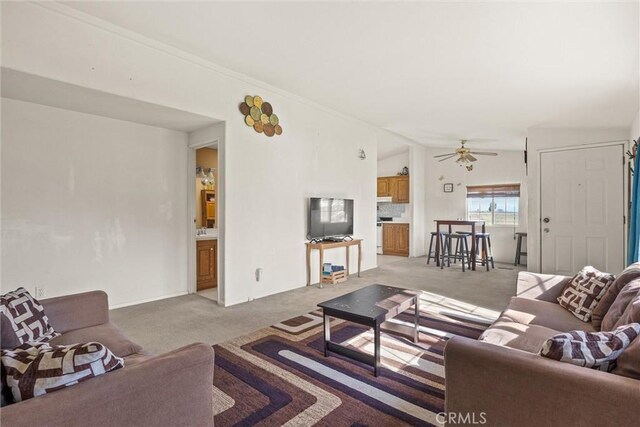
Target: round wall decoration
<point>259,115</point>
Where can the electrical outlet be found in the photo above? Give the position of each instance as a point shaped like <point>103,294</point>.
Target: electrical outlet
<point>258,274</point>
<point>39,292</point>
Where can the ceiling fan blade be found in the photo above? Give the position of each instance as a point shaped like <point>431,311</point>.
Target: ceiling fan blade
<point>444,155</point>
<point>470,157</point>
<point>483,153</point>
<point>447,158</point>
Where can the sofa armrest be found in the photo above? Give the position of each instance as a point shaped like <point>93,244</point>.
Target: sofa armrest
<point>71,312</point>
<point>513,387</point>
<point>175,389</point>
<point>544,287</point>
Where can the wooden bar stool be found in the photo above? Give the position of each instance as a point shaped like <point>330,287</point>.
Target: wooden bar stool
<point>519,250</point>
<point>432,251</point>
<point>485,254</point>
<point>464,233</point>
<point>461,253</point>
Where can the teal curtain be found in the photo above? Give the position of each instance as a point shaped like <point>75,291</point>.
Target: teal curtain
<point>633,254</point>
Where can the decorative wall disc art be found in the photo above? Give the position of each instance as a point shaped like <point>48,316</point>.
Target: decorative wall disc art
<point>260,116</point>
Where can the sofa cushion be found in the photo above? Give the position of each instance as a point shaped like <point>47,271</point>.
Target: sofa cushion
<point>8,339</point>
<point>630,273</point>
<point>542,313</point>
<point>621,311</point>
<point>545,287</point>
<point>584,291</point>
<point>631,314</point>
<point>26,317</point>
<point>135,359</point>
<point>34,369</point>
<point>107,334</point>
<point>629,361</point>
<point>598,350</point>
<point>508,333</point>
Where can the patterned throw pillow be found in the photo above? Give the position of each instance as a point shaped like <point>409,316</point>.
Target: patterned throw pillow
<point>34,369</point>
<point>26,317</point>
<point>582,293</point>
<point>598,350</point>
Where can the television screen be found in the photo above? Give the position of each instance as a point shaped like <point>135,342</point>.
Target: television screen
<point>330,217</point>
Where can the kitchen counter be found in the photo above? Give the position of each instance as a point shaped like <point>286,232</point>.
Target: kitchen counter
<point>396,221</point>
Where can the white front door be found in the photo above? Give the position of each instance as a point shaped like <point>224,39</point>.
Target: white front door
<point>582,210</point>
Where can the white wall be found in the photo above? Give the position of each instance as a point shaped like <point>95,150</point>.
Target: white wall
<point>92,203</point>
<point>417,170</point>
<point>390,166</point>
<point>506,168</point>
<point>634,132</point>
<point>541,139</point>
<point>267,180</point>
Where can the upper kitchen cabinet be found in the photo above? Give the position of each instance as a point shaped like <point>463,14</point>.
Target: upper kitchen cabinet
<point>402,190</point>
<point>396,187</point>
<point>383,187</point>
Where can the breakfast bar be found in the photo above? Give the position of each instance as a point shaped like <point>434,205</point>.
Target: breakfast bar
<point>450,224</point>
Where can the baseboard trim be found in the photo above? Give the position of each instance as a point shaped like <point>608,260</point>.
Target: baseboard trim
<point>128,304</point>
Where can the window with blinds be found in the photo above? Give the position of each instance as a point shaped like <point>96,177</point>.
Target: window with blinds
<point>495,204</point>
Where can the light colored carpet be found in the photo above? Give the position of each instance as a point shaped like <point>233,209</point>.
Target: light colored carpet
<point>164,325</point>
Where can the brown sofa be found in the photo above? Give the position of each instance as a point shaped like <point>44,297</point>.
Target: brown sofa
<point>501,376</point>
<point>174,389</point>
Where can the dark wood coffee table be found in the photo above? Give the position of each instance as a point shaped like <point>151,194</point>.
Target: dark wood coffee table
<point>370,306</point>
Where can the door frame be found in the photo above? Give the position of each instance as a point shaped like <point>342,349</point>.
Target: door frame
<point>192,286</point>
<point>624,146</point>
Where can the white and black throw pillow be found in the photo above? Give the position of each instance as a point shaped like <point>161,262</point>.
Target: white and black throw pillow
<point>26,317</point>
<point>34,369</point>
<point>597,350</point>
<point>581,295</point>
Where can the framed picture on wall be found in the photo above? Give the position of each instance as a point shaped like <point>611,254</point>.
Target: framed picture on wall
<point>448,187</point>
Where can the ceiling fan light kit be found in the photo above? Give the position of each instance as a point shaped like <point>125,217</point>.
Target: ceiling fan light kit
<point>465,155</point>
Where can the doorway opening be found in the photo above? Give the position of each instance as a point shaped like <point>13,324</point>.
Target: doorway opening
<point>393,207</point>
<point>206,190</point>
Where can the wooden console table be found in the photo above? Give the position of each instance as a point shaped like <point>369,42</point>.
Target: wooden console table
<point>322,246</point>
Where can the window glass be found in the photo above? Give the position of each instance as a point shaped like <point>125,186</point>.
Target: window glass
<point>496,205</point>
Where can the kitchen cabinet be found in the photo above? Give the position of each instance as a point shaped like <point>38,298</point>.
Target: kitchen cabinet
<point>383,187</point>
<point>396,187</point>
<point>206,267</point>
<point>402,189</point>
<point>395,239</point>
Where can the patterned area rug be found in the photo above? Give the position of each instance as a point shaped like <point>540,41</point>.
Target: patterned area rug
<point>279,375</point>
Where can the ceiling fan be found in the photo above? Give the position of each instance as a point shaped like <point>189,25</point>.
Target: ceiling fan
<point>465,155</point>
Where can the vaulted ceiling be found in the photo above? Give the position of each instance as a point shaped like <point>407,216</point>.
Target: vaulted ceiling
<point>433,72</point>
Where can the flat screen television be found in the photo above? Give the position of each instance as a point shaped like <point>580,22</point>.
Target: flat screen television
<point>330,217</point>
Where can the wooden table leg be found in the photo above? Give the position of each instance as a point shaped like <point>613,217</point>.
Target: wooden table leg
<point>485,251</point>
<point>359,257</point>
<point>347,266</point>
<point>321,263</point>
<point>473,247</point>
<point>438,243</point>
<point>308,265</point>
